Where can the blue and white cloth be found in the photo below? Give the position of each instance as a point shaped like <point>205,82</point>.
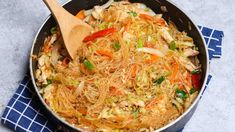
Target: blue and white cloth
<point>24,112</point>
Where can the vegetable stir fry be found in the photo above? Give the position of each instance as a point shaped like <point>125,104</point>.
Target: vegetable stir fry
<point>134,72</point>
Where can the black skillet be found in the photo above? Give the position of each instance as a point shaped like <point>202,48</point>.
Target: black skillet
<point>170,12</point>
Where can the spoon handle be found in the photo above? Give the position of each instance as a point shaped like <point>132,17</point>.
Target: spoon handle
<point>57,10</point>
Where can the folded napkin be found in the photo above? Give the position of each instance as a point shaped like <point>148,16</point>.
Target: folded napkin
<point>24,112</point>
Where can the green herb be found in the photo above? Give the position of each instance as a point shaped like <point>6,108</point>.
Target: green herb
<point>134,14</point>
<point>195,72</point>
<point>172,45</point>
<point>181,94</point>
<point>116,130</point>
<point>159,80</point>
<point>140,43</point>
<point>136,114</point>
<point>53,30</point>
<point>117,46</point>
<point>88,64</point>
<point>48,83</point>
<point>192,90</point>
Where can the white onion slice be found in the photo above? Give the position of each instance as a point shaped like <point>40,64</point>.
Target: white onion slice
<point>151,51</point>
<point>80,88</point>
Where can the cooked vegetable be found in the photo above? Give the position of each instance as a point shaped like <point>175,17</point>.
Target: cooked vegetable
<point>88,64</point>
<point>146,17</point>
<point>134,14</point>
<point>152,59</point>
<point>136,114</point>
<point>151,51</point>
<point>159,80</point>
<point>105,53</point>
<point>140,43</point>
<point>134,72</point>
<point>53,30</point>
<point>172,45</point>
<point>160,22</point>
<point>174,72</point>
<point>192,90</point>
<point>196,81</point>
<point>117,46</point>
<point>153,102</point>
<point>115,91</point>
<point>99,34</point>
<point>48,83</point>
<point>196,72</point>
<point>181,94</point>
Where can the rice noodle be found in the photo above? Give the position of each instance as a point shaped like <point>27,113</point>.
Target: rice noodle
<point>131,83</point>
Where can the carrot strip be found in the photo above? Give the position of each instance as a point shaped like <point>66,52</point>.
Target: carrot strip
<point>81,15</point>
<point>146,17</point>
<point>116,91</point>
<point>175,71</point>
<point>104,53</point>
<point>133,70</point>
<point>160,22</point>
<point>153,102</point>
<point>47,48</point>
<point>83,111</point>
<point>65,62</point>
<point>127,26</point>
<point>153,59</point>
<point>188,80</point>
<point>71,87</point>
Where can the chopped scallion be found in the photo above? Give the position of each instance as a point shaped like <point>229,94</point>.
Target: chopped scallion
<point>140,43</point>
<point>195,72</point>
<point>181,94</point>
<point>136,114</point>
<point>134,14</point>
<point>159,80</point>
<point>48,83</point>
<point>172,45</point>
<point>53,30</point>
<point>88,64</point>
<point>117,46</point>
<point>192,90</point>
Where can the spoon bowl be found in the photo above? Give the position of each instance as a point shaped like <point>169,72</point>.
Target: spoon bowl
<point>73,30</point>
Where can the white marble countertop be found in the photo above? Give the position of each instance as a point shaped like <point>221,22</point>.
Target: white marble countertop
<point>20,20</point>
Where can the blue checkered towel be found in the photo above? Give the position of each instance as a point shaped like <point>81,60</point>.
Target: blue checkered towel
<point>24,112</point>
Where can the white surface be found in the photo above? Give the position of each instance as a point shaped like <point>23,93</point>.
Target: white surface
<point>20,20</point>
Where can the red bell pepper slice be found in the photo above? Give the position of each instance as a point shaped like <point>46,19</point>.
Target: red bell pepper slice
<point>196,81</point>
<point>99,34</point>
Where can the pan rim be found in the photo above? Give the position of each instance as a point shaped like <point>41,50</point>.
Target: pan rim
<point>195,102</point>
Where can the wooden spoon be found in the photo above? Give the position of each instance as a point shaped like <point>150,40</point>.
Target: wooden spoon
<point>73,30</point>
